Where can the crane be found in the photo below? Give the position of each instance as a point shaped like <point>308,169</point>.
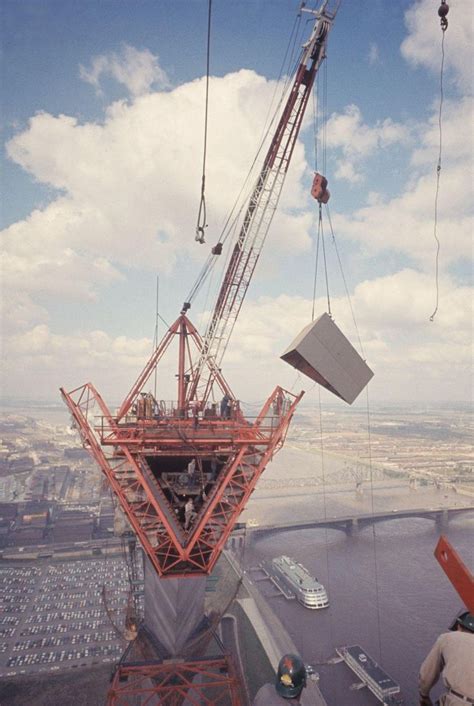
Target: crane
<point>183,471</point>
<point>260,210</point>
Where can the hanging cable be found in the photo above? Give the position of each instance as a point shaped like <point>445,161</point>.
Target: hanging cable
<point>325,514</point>
<point>374,536</point>
<point>315,280</point>
<point>325,114</point>
<point>155,336</point>
<point>442,12</point>
<point>325,263</point>
<point>344,280</point>
<point>202,215</point>
<point>242,198</point>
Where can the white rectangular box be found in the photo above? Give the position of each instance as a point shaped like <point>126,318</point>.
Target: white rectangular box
<point>323,353</point>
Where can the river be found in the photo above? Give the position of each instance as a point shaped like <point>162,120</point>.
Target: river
<point>387,593</point>
<point>386,589</point>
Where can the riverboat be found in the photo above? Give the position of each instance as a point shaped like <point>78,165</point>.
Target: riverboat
<point>297,579</point>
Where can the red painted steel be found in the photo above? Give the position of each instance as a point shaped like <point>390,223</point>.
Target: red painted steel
<point>129,450</point>
<point>208,681</point>
<point>260,210</point>
<point>456,571</point>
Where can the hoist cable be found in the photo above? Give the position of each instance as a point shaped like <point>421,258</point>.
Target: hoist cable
<point>374,535</point>
<point>202,215</point>
<point>325,112</point>
<point>316,102</point>
<point>325,263</point>
<point>233,216</point>
<point>438,173</point>
<point>155,336</point>
<point>315,279</point>
<point>344,280</point>
<point>325,515</point>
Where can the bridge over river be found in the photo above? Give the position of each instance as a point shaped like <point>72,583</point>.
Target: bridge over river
<point>354,523</point>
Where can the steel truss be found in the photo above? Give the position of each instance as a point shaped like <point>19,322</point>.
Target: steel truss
<point>124,450</point>
<point>210,682</point>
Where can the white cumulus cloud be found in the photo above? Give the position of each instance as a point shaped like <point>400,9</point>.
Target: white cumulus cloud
<point>356,140</point>
<point>129,186</point>
<point>137,70</point>
<point>422,46</point>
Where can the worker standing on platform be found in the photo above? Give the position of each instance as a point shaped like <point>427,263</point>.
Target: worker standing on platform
<point>290,682</point>
<point>189,513</point>
<point>225,407</point>
<point>452,656</point>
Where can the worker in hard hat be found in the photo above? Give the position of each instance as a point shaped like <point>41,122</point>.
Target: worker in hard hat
<point>290,682</point>
<point>452,657</point>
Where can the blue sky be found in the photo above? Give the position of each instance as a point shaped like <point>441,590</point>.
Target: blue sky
<point>101,179</point>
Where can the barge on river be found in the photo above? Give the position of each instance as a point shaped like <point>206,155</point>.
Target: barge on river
<point>371,675</point>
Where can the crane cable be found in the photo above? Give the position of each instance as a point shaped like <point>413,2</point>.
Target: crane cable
<point>442,12</point>
<point>320,216</point>
<point>315,279</point>
<point>328,213</point>
<point>202,214</point>
<point>233,216</point>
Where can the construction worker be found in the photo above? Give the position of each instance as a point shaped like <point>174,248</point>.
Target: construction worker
<point>452,656</point>
<point>225,407</point>
<point>189,513</point>
<point>191,471</point>
<point>290,682</point>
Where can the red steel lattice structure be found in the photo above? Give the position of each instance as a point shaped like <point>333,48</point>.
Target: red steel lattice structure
<point>209,682</point>
<point>183,472</point>
<point>145,459</point>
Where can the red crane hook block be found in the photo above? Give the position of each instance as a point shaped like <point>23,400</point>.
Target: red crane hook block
<point>319,189</point>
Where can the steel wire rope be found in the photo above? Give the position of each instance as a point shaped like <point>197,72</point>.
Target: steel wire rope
<point>325,262</point>
<point>374,533</point>
<point>316,155</point>
<point>438,173</point>
<point>104,601</point>
<point>316,264</point>
<point>326,543</point>
<point>231,220</point>
<point>325,114</point>
<point>315,104</point>
<point>155,335</point>
<point>344,280</point>
<point>202,214</point>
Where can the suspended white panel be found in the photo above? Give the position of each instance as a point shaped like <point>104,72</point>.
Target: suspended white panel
<point>323,353</point>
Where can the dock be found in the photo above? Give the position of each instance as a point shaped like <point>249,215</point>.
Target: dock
<point>270,574</point>
<point>371,675</point>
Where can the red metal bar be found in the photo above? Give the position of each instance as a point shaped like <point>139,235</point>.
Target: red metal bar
<point>456,571</point>
<point>181,366</point>
<point>211,681</point>
<point>148,369</point>
<point>172,550</point>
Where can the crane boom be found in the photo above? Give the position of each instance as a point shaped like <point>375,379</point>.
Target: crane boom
<point>260,211</point>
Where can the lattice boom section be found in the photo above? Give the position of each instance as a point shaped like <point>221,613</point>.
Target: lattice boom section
<point>211,681</point>
<point>176,550</point>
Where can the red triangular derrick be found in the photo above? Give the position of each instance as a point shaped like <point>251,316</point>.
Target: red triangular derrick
<point>181,473</point>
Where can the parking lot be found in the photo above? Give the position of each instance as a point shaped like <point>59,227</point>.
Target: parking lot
<point>53,614</point>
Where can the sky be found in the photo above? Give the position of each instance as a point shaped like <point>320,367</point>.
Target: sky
<point>102,135</point>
